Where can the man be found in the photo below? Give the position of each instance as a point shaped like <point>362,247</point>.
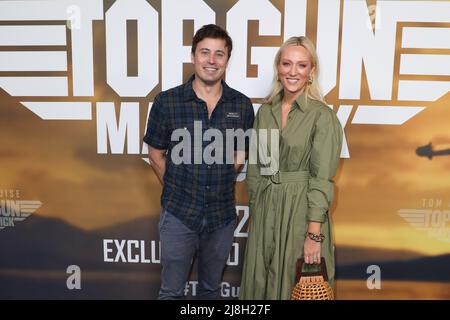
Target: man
<point>198,214</point>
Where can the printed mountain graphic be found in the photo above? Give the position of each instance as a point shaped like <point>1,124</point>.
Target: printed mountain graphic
<point>48,244</point>
<point>52,244</point>
<point>346,255</point>
<point>139,229</point>
<point>434,268</point>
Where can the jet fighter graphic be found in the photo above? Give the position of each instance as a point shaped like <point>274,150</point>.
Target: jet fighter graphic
<point>428,151</point>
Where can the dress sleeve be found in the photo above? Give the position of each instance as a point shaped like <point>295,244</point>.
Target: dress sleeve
<point>253,175</point>
<point>325,155</point>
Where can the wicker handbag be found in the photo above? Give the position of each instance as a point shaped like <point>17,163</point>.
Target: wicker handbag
<point>312,285</point>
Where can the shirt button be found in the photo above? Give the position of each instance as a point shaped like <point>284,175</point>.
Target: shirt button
<point>209,167</point>
<point>207,187</point>
<point>207,205</point>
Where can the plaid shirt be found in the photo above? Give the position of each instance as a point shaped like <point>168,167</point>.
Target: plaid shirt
<point>199,189</point>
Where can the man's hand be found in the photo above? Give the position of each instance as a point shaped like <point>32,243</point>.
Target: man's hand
<point>158,162</point>
<point>239,160</point>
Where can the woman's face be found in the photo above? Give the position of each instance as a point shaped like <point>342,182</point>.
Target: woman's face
<point>294,69</point>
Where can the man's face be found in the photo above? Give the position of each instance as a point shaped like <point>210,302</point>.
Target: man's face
<point>210,60</point>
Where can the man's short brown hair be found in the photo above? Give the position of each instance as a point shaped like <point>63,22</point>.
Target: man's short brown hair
<point>212,31</point>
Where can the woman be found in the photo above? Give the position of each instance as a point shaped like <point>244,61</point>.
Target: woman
<point>289,207</point>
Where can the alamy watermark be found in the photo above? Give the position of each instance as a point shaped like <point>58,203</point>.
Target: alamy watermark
<point>74,279</point>
<point>374,280</point>
<point>221,148</point>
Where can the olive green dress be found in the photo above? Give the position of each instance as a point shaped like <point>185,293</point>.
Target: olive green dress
<point>282,202</point>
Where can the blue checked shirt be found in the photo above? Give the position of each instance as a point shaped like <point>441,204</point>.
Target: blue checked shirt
<point>196,188</point>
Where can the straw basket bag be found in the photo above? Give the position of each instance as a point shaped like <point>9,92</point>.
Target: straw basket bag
<point>312,285</point>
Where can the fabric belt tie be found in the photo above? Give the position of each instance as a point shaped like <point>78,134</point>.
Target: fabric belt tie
<point>285,177</point>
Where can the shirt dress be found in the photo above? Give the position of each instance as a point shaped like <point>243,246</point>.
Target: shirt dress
<point>294,188</point>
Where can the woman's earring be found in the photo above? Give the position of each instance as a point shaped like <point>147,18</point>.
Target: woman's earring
<point>310,80</point>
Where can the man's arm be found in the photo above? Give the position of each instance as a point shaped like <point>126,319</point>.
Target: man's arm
<point>158,162</point>
<point>239,160</point>
<point>241,155</point>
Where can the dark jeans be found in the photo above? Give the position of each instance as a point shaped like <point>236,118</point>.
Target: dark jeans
<point>178,247</point>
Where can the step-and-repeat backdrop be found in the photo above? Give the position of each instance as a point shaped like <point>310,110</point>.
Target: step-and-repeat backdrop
<point>79,203</point>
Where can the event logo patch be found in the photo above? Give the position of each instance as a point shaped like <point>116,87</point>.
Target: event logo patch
<point>13,211</point>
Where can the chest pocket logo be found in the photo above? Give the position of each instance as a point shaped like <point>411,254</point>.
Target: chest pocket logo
<point>233,115</point>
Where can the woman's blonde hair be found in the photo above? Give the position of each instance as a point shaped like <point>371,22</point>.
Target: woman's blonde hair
<point>312,89</point>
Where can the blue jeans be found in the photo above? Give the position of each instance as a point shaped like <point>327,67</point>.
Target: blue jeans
<point>178,247</point>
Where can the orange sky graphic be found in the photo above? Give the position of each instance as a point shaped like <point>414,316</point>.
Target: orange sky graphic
<point>56,162</point>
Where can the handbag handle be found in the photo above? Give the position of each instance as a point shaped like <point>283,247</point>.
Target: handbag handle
<point>299,273</point>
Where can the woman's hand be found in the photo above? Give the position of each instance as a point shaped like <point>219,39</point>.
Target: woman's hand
<point>311,251</point>
<point>311,248</point>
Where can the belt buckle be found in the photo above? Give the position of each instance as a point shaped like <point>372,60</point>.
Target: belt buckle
<point>275,178</point>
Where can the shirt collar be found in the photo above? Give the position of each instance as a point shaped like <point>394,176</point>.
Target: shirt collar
<point>189,93</point>
<point>299,103</point>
